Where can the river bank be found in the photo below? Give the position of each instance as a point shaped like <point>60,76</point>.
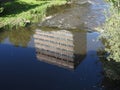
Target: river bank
<point>23,12</point>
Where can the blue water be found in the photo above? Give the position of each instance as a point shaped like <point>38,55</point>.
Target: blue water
<point>21,70</point>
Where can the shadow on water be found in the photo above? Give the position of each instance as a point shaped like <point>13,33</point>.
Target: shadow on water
<point>111,84</point>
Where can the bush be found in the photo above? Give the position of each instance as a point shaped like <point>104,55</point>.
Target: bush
<point>115,3</point>
<point>111,39</point>
<point>112,35</point>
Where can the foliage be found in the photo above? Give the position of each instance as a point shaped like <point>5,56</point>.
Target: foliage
<point>22,12</point>
<point>112,35</point>
<point>115,3</point>
<point>111,39</point>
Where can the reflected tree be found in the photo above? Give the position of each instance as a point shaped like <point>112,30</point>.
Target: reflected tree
<point>3,35</point>
<point>18,37</point>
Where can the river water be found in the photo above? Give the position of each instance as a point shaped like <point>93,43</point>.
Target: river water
<point>35,58</point>
<point>55,60</point>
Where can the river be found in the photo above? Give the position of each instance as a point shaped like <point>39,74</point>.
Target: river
<point>48,58</point>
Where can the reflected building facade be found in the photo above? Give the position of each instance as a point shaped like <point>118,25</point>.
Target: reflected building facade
<point>62,48</point>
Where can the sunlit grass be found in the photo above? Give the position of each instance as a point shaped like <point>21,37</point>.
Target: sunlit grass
<point>22,12</point>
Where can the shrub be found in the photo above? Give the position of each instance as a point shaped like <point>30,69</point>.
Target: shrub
<point>112,35</point>
<point>111,39</point>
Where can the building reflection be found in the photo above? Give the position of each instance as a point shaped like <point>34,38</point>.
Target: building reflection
<point>62,48</point>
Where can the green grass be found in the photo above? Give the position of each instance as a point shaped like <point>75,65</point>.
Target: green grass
<point>22,12</point>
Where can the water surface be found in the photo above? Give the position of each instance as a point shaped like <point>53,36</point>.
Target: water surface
<point>34,58</point>
<point>46,60</point>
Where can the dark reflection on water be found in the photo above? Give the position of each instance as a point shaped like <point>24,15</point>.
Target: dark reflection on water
<point>16,37</point>
<point>22,69</point>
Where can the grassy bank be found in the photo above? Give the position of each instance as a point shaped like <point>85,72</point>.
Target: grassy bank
<point>22,12</point>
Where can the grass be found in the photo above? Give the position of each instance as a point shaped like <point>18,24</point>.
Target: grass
<point>22,12</point>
